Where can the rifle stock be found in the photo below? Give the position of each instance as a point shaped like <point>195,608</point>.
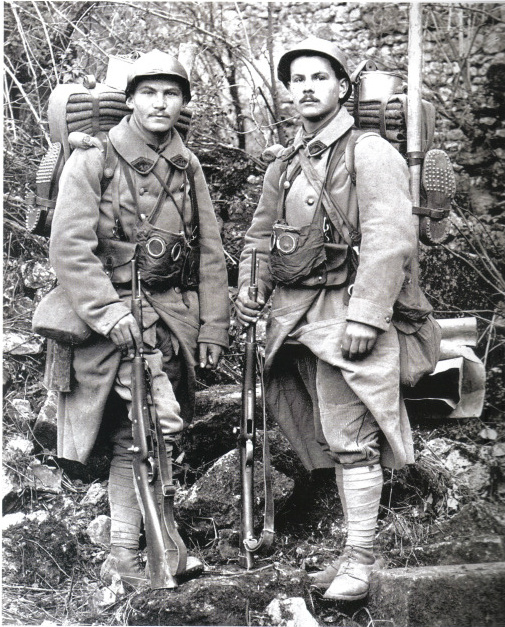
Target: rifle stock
<point>165,549</point>
<point>247,441</point>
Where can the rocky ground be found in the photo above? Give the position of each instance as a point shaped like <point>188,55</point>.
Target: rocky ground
<point>56,523</point>
<point>448,508</point>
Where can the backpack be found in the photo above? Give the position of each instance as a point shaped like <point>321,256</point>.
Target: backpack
<point>92,108</point>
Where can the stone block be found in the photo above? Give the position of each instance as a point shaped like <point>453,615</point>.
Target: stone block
<point>469,595</point>
<point>479,549</point>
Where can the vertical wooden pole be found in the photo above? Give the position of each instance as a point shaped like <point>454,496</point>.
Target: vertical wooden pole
<point>415,54</point>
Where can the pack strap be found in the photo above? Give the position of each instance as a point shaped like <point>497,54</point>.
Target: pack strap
<point>337,216</point>
<point>356,135</point>
<point>195,211</point>
<point>166,192</point>
<point>433,213</point>
<point>285,182</point>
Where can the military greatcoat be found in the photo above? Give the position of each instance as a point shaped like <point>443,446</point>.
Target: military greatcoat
<point>379,205</point>
<point>83,217</point>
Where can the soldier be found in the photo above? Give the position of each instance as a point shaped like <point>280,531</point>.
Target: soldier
<point>332,352</point>
<point>157,206</point>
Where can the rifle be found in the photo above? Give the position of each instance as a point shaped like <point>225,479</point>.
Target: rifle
<point>152,463</point>
<point>247,440</point>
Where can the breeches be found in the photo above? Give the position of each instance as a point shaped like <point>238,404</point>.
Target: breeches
<point>161,359</point>
<point>344,427</point>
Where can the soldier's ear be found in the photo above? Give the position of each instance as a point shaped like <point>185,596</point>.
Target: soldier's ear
<point>343,87</point>
<point>129,102</point>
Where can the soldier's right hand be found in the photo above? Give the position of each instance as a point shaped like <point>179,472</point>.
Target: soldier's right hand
<point>126,334</point>
<point>248,310</point>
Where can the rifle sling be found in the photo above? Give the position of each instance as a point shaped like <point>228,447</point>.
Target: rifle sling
<point>176,548</point>
<point>268,516</point>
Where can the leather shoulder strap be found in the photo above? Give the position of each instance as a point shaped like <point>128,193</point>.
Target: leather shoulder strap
<point>195,218</point>
<point>111,161</point>
<point>356,135</point>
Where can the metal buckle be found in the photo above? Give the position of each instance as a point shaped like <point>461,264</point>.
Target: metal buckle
<point>176,251</point>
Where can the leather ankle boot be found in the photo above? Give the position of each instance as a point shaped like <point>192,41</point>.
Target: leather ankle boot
<point>323,578</point>
<point>351,582</point>
<point>126,564</point>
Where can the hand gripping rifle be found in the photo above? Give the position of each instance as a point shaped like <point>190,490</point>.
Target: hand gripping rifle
<point>247,440</point>
<point>152,464</point>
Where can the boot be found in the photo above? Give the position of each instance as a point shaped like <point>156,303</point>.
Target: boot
<point>323,578</point>
<point>125,564</point>
<point>194,568</point>
<point>352,581</point>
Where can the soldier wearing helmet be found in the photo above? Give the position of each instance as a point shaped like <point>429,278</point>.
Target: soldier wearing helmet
<point>157,207</point>
<point>336,253</point>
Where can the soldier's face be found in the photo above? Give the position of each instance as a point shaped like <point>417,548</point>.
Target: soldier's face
<point>156,104</point>
<point>315,88</point>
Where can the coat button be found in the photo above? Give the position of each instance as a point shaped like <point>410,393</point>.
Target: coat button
<point>143,216</point>
<point>287,184</point>
<point>177,290</point>
<point>310,200</point>
<point>388,319</point>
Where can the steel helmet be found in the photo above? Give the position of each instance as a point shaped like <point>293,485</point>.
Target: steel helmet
<point>157,63</point>
<point>313,45</point>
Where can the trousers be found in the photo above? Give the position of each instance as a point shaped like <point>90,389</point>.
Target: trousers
<point>344,426</point>
<point>161,361</point>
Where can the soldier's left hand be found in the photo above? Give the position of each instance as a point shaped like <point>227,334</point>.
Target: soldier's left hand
<point>208,355</point>
<point>358,341</point>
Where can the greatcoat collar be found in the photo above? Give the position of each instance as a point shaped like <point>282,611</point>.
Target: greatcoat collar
<point>327,136</point>
<point>139,155</point>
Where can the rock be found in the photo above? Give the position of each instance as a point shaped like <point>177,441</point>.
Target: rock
<point>474,550</point>
<point>214,432</point>
<point>225,598</point>
<point>481,200</point>
<point>473,519</point>
<point>44,478</point>
<point>19,445</point>
<point>22,344</point>
<point>45,429</point>
<point>98,530</point>
<point>105,597</point>
<point>37,274</point>
<point>291,612</point>
<point>23,413</point>
<point>39,516</point>
<point>96,494</point>
<point>463,595</point>
<point>215,497</point>
<point>493,43</point>
<point>10,520</point>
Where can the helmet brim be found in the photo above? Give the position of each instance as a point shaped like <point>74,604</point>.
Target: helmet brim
<point>186,90</point>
